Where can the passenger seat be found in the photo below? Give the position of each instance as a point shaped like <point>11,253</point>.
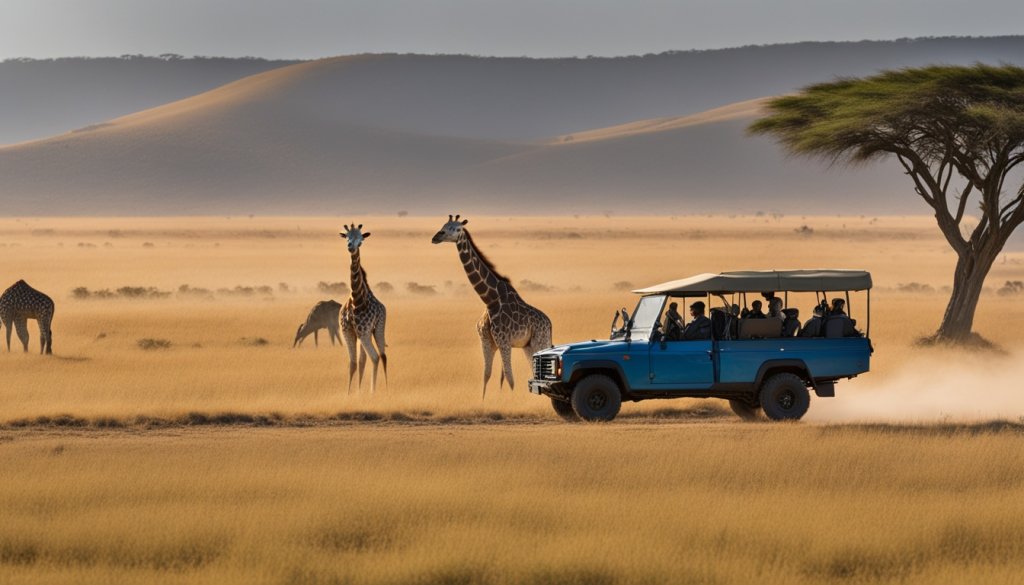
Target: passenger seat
<point>760,328</point>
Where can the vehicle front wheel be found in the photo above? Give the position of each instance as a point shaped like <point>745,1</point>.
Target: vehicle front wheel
<point>563,408</point>
<point>744,410</point>
<point>785,397</point>
<point>596,398</point>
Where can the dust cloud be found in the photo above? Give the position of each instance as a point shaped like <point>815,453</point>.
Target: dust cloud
<point>960,386</point>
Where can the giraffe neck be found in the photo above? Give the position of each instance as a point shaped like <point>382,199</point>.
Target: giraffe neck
<point>491,286</point>
<point>360,288</point>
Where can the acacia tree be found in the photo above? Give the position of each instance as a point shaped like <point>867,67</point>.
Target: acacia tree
<point>958,133</point>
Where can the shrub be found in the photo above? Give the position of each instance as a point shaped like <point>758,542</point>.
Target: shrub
<point>420,289</point>
<point>333,288</point>
<point>254,341</point>
<point>187,291</point>
<point>149,344</point>
<point>916,288</point>
<point>623,285</point>
<point>529,285</point>
<point>804,230</point>
<point>1012,287</point>
<point>384,286</point>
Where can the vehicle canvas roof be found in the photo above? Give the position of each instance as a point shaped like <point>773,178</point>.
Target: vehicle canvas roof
<point>765,280</point>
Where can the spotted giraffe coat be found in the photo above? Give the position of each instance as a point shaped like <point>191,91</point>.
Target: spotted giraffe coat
<point>18,304</point>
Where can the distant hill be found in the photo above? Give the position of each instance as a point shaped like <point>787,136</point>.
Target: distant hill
<point>40,98</point>
<point>511,99</point>
<point>427,134</point>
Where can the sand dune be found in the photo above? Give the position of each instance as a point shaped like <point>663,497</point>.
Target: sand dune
<point>275,143</point>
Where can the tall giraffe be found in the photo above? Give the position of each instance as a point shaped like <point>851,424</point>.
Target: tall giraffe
<point>363,316</point>
<point>508,321</point>
<point>18,304</point>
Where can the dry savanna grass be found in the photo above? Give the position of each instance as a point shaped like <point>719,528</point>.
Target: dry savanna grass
<point>178,438</point>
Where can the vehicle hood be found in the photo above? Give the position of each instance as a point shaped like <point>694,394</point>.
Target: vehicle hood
<point>584,347</point>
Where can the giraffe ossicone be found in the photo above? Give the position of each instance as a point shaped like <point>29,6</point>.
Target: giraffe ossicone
<point>508,321</point>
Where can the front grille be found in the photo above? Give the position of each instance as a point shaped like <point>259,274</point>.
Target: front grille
<point>545,367</point>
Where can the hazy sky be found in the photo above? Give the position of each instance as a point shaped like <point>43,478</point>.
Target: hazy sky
<point>317,28</point>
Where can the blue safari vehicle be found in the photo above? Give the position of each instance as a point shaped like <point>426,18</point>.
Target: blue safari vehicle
<point>757,361</point>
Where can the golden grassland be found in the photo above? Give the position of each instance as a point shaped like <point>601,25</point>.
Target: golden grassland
<point>545,503</point>
<point>116,469</point>
<point>435,360</point>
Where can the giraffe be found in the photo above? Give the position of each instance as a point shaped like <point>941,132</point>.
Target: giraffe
<point>508,321</point>
<point>323,316</point>
<point>20,303</point>
<point>363,316</point>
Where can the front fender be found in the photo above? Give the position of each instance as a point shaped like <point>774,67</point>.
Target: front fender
<point>581,368</point>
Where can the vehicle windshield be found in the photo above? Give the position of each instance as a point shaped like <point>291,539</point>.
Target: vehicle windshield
<point>646,314</point>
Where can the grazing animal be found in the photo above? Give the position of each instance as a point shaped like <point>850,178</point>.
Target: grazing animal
<point>508,321</point>
<point>325,315</point>
<point>363,316</point>
<point>20,303</point>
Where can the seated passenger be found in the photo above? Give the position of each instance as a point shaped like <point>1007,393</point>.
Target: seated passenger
<point>775,309</point>
<point>838,324</point>
<point>812,328</point>
<point>838,308</point>
<point>755,311</point>
<point>673,323</point>
<point>791,323</point>
<point>700,327</point>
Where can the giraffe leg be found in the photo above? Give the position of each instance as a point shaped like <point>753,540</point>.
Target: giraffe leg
<point>366,342</point>
<point>506,364</point>
<point>21,326</point>
<point>350,343</point>
<point>46,329</point>
<point>487,343</point>
<point>362,364</point>
<point>7,325</point>
<point>316,338</point>
<point>378,338</point>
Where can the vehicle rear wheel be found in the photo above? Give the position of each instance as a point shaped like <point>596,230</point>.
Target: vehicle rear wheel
<point>563,408</point>
<point>744,410</point>
<point>785,397</point>
<point>596,398</point>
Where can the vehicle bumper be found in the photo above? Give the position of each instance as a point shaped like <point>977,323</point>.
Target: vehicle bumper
<point>549,388</point>
<point>540,387</point>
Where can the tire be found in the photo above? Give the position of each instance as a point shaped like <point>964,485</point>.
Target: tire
<point>563,408</point>
<point>745,411</point>
<point>596,398</point>
<point>785,397</point>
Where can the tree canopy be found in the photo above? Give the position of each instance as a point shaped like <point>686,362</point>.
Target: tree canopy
<point>957,131</point>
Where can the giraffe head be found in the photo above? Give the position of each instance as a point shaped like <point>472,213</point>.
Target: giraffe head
<point>355,236</point>
<point>450,231</point>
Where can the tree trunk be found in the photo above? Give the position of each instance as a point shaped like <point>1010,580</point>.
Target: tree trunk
<point>968,280</point>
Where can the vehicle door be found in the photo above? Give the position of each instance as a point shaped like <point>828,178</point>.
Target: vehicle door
<point>687,365</point>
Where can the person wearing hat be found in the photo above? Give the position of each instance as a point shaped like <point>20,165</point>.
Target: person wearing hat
<point>700,327</point>
<point>673,323</point>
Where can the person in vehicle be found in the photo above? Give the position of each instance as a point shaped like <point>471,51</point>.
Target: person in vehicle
<point>838,324</point>
<point>700,327</point>
<point>838,308</point>
<point>775,309</point>
<point>812,328</point>
<point>755,311</point>
<point>673,323</point>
